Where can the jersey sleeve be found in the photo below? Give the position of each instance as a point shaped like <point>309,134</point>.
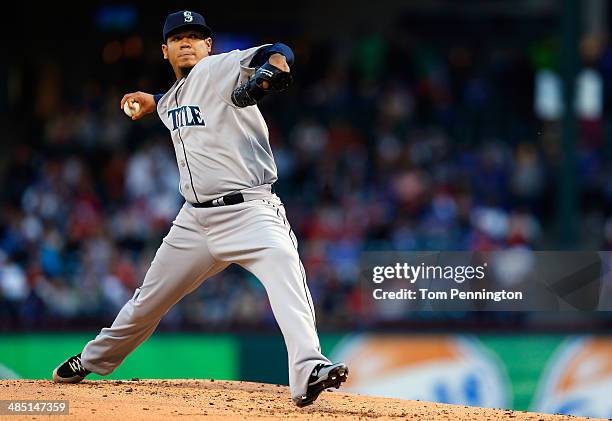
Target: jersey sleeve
<point>232,69</point>
<point>264,53</point>
<point>157,97</point>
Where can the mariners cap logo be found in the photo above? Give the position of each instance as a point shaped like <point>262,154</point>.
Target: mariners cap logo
<point>183,18</point>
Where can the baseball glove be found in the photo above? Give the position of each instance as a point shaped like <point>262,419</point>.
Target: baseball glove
<point>250,92</point>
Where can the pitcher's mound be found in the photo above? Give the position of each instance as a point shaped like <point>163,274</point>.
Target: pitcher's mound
<point>198,399</point>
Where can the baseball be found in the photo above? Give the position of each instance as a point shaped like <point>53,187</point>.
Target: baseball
<point>131,107</point>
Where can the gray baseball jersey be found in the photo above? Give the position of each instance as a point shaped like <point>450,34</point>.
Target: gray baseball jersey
<point>219,147</point>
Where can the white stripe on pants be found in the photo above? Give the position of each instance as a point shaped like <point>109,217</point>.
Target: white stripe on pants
<point>201,243</point>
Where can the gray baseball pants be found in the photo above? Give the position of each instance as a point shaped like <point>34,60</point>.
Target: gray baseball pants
<point>201,243</point>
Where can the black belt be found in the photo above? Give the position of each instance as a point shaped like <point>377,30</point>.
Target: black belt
<point>230,199</point>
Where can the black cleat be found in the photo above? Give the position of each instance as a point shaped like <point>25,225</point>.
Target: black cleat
<point>322,377</point>
<point>70,371</point>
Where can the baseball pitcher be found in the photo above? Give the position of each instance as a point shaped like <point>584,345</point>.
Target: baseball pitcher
<point>230,215</point>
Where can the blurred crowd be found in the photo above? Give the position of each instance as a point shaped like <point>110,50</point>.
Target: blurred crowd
<point>384,143</point>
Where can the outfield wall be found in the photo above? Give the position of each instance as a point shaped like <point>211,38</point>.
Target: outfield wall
<point>548,373</point>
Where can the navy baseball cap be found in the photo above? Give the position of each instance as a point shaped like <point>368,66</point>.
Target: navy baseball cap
<point>185,19</point>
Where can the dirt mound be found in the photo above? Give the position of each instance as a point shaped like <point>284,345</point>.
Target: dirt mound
<point>198,399</point>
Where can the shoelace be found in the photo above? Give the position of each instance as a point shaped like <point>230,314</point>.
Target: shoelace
<point>76,365</point>
<point>315,371</point>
